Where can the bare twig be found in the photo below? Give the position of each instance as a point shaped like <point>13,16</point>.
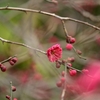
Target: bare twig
<point>64,27</point>
<point>63,94</point>
<point>64,89</point>
<point>21,44</point>
<point>6,60</point>
<point>78,54</point>
<point>11,90</point>
<point>82,22</point>
<point>67,66</point>
<point>30,10</point>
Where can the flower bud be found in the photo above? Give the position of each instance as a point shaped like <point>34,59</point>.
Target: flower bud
<point>8,97</point>
<point>13,88</point>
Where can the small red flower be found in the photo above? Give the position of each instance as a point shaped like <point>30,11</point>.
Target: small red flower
<point>69,46</point>
<point>3,68</point>
<point>85,71</point>
<point>73,40</point>
<point>58,64</point>
<point>59,84</point>
<point>15,99</point>
<point>12,61</point>
<point>70,40</point>
<point>54,53</point>
<point>63,73</point>
<point>63,79</point>
<point>72,72</point>
<point>69,64</point>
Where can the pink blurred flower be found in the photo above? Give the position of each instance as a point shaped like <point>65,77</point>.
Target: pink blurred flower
<point>37,76</point>
<point>24,77</point>
<point>15,99</point>
<point>53,39</point>
<point>54,53</point>
<point>97,39</point>
<point>90,82</point>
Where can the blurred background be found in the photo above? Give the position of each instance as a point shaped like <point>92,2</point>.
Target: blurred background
<point>33,75</point>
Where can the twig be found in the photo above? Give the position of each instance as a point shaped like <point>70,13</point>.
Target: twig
<point>63,94</point>
<point>67,66</point>
<point>85,23</point>
<point>64,27</point>
<point>30,10</point>
<point>21,44</point>
<point>64,89</point>
<point>78,54</point>
<point>6,60</point>
<point>11,90</point>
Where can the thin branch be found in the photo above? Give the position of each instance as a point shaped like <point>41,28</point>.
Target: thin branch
<point>21,44</point>
<point>11,90</point>
<point>82,22</point>
<point>63,94</point>
<point>30,10</point>
<point>64,27</point>
<point>73,68</point>
<point>69,67</point>
<point>78,54</point>
<point>49,14</point>
<point>64,89</point>
<point>6,60</point>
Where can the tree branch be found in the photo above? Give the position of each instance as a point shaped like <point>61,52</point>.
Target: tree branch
<point>49,14</point>
<point>21,44</point>
<point>6,60</point>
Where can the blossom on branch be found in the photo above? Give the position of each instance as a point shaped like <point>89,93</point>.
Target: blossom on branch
<point>54,53</point>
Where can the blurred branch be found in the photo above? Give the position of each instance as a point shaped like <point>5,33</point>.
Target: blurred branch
<point>64,27</point>
<point>11,90</point>
<point>6,60</point>
<point>85,23</point>
<point>64,88</point>
<point>68,67</point>
<point>21,44</point>
<point>63,94</point>
<point>83,12</point>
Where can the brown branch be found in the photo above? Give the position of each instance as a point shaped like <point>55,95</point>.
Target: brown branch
<point>6,60</point>
<point>30,10</point>
<point>64,27</point>
<point>82,22</point>
<point>63,94</point>
<point>67,66</point>
<point>65,30</point>
<point>21,44</point>
<point>49,14</point>
<point>78,54</point>
<point>64,88</point>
